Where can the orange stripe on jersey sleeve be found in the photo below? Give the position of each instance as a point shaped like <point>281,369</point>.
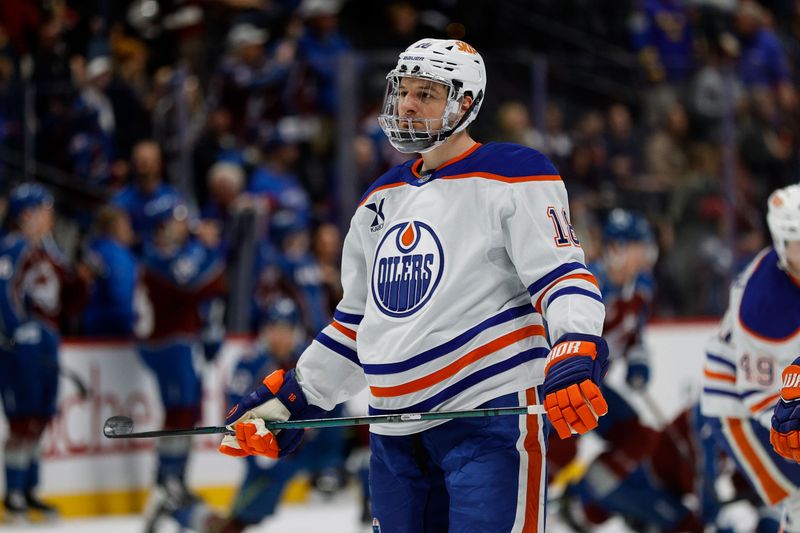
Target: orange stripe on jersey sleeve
<point>769,401</point>
<point>719,376</point>
<point>505,179</point>
<point>460,363</point>
<point>585,277</point>
<point>772,489</point>
<point>349,333</point>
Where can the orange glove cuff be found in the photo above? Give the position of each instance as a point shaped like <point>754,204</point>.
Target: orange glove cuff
<point>569,349</point>
<point>791,383</point>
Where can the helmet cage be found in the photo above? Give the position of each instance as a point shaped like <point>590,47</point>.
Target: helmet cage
<point>429,132</point>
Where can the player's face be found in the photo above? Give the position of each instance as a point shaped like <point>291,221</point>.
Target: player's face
<point>37,222</point>
<point>281,339</point>
<point>423,99</point>
<point>793,256</point>
<point>628,260</point>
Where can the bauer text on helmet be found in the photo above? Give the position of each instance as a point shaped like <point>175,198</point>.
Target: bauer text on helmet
<point>453,67</point>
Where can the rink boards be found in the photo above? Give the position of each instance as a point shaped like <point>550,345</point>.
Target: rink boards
<point>84,473</point>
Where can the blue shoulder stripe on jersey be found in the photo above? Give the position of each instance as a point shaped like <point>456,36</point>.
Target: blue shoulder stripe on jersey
<point>709,390</point>
<point>347,318</point>
<point>553,275</point>
<point>574,290</point>
<point>397,174</point>
<point>338,347</point>
<point>505,159</point>
<point>745,394</point>
<point>469,381</point>
<point>770,307</point>
<point>449,346</point>
<point>720,360</point>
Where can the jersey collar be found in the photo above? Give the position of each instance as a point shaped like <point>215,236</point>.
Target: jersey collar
<point>424,178</point>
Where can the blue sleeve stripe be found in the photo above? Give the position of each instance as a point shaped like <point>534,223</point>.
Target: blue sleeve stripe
<point>449,346</point>
<point>338,347</point>
<point>347,318</point>
<point>574,290</point>
<point>553,275</point>
<point>720,392</point>
<point>467,382</point>
<point>720,360</point>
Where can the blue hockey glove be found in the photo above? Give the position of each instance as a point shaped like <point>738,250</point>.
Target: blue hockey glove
<point>280,398</point>
<point>638,373</point>
<point>574,369</point>
<point>785,432</point>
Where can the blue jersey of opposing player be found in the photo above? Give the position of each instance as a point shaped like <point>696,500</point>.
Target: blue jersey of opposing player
<point>624,277</point>
<point>177,284</point>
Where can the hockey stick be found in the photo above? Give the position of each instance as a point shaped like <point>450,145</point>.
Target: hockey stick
<point>121,427</point>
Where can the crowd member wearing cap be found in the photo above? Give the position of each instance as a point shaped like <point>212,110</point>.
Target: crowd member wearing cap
<point>249,80</point>
<point>180,271</point>
<point>36,285</point>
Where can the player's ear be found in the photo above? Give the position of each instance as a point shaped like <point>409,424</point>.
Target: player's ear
<point>466,102</point>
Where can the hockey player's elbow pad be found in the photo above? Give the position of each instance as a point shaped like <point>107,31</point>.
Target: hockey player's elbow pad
<point>278,398</point>
<point>785,431</point>
<point>572,374</point>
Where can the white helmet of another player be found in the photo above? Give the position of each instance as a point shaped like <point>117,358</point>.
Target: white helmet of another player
<point>783,219</point>
<point>454,64</point>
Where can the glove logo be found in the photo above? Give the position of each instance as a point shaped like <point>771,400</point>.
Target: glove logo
<point>409,263</point>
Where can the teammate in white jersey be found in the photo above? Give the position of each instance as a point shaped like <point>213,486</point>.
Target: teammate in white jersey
<point>460,272</point>
<point>760,335</point>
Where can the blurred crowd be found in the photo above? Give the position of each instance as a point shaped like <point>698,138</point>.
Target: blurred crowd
<point>684,110</point>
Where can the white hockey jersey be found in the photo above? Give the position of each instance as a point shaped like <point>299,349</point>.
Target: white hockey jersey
<point>758,337</point>
<point>454,284</point>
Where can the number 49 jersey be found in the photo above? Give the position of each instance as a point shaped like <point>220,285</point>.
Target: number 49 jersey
<point>758,337</point>
<point>455,283</point>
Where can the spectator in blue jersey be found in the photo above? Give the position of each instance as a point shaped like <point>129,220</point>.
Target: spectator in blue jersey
<point>249,81</point>
<point>289,253</point>
<point>612,483</point>
<point>180,272</point>
<point>29,302</point>
<point>276,178</point>
<point>663,38</point>
<point>110,311</point>
<point>148,186</point>
<point>763,64</point>
<point>319,49</point>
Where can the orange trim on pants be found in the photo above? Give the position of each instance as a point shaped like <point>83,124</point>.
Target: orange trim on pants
<point>535,466</point>
<point>774,492</point>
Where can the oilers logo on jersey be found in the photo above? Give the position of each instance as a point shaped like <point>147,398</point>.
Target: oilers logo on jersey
<point>409,263</point>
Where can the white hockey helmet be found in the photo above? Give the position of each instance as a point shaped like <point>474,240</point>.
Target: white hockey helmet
<point>783,219</point>
<point>450,62</point>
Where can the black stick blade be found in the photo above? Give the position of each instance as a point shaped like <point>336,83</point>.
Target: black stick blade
<point>117,427</point>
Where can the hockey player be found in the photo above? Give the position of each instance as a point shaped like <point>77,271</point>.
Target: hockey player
<point>34,279</point>
<point>758,337</point>
<point>453,264</point>
<point>180,271</point>
<point>613,482</point>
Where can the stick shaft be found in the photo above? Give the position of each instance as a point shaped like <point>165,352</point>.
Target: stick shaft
<point>344,421</point>
<point>401,418</point>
